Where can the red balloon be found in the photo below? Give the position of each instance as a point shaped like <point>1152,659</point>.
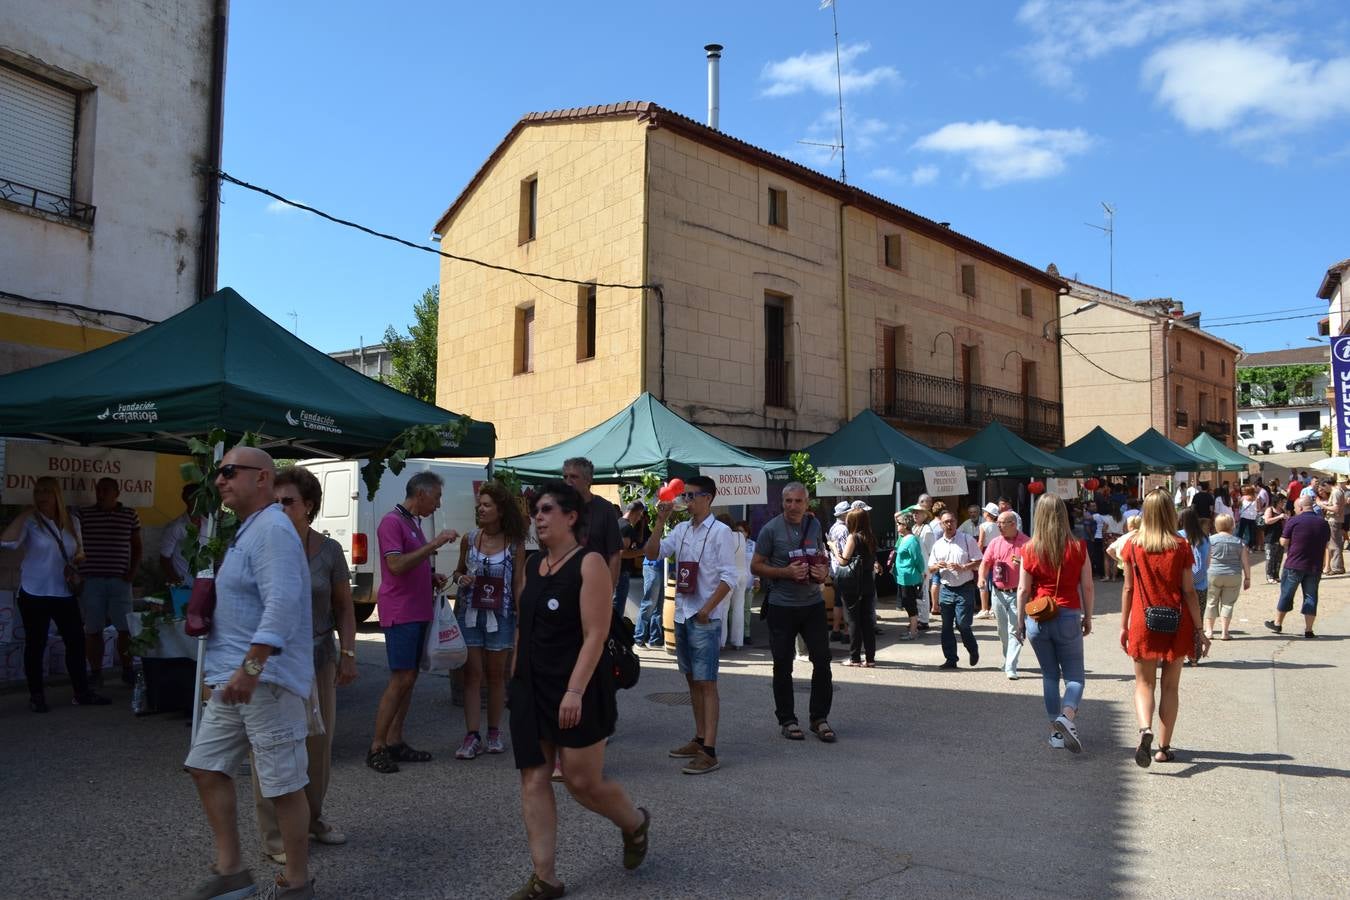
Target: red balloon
<point>666,494</point>
<point>1092,484</point>
<point>677,485</point>
<point>1036,487</point>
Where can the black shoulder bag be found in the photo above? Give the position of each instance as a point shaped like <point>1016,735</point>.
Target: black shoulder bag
<point>627,666</point>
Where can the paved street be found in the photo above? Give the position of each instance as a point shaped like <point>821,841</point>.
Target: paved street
<point>941,785</point>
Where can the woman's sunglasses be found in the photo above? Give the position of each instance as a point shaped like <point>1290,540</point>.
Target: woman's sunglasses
<point>287,501</point>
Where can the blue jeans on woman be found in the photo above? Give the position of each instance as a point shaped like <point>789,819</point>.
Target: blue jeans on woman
<point>1059,650</point>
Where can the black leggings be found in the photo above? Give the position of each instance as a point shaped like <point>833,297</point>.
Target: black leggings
<point>38,613</point>
<point>860,609</point>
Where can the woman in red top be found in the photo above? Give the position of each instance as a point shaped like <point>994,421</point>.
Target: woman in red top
<point>1053,565</point>
<point>1158,573</point>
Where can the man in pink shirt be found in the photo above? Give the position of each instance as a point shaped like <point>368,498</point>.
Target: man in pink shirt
<point>1000,570</point>
<point>406,605</point>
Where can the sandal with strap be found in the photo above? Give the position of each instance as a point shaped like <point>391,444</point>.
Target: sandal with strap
<point>792,731</point>
<point>381,761</point>
<point>539,889</point>
<point>401,752</point>
<point>1165,754</point>
<point>1143,754</point>
<point>823,731</point>
<point>635,844</point>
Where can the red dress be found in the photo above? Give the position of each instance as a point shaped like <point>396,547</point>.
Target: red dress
<point>1157,581</point>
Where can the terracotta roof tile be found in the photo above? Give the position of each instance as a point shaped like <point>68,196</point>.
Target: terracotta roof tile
<point>1294,356</point>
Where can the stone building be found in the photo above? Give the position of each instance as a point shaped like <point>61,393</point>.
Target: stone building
<point>759,299</point>
<point>1131,365</point>
<point>106,224</point>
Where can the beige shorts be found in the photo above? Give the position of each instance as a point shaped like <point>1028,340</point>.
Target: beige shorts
<point>274,723</point>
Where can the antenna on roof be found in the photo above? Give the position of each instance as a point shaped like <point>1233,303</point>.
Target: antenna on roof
<point>839,83</point>
<point>1110,229</point>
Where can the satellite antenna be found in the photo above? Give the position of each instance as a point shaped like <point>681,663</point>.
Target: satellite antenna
<point>295,322</point>
<point>1110,229</point>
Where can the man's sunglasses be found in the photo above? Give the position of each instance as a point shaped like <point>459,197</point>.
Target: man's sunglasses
<point>694,495</point>
<point>229,470</point>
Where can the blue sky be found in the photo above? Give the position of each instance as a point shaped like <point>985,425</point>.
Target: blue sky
<point>1217,128</point>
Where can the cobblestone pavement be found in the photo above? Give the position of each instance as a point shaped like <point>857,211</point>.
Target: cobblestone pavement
<point>941,785</point>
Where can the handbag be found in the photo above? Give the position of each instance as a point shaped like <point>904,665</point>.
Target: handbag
<point>1157,619</point>
<point>71,572</point>
<point>626,665</point>
<point>201,607</point>
<point>1044,609</point>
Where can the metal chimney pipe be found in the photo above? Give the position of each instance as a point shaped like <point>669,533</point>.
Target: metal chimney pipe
<point>714,90</point>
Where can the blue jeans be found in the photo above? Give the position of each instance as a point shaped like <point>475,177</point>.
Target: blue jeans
<point>1005,614</point>
<point>1290,581</point>
<point>648,627</point>
<point>1059,650</point>
<point>958,609</point>
<point>697,648</point>
<point>621,592</point>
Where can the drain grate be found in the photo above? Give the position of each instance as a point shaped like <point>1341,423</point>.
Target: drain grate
<point>672,698</point>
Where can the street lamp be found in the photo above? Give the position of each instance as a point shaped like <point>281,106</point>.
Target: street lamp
<point>1045,329</point>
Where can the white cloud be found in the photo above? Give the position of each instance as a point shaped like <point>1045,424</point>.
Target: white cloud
<point>1248,87</point>
<point>1001,153</point>
<point>1069,31</point>
<point>923,175</point>
<point>816,72</point>
<point>277,208</point>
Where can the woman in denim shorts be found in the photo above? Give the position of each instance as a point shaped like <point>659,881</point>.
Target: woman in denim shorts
<point>488,559</point>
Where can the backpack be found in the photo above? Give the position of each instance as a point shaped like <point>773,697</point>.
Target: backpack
<point>626,665</point>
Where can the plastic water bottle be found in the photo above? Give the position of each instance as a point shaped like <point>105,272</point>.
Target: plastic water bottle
<point>138,693</point>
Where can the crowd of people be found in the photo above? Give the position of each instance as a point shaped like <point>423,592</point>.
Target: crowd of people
<point>536,624</point>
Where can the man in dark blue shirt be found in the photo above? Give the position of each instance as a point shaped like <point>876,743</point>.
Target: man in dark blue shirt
<point>1305,541</point>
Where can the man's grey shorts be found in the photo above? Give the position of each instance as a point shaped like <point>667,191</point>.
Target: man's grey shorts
<point>274,723</point>
<point>105,600</point>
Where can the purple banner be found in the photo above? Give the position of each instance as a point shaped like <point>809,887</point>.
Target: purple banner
<point>1340,381</point>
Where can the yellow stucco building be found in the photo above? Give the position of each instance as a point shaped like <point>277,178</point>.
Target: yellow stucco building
<point>757,298</point>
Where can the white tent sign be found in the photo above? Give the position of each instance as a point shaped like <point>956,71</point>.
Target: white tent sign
<point>856,481</point>
<point>946,481</point>
<point>78,469</point>
<point>736,485</point>
<point>1063,488</point>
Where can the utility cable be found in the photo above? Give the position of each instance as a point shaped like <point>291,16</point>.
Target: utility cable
<point>1140,329</point>
<point>1108,371</point>
<point>225,176</point>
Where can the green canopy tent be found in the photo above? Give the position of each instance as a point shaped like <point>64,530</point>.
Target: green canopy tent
<point>643,438</point>
<point>866,438</point>
<point>219,364</point>
<point>1153,443</point>
<point>1104,454</point>
<point>1005,455</point>
<point>1220,455</point>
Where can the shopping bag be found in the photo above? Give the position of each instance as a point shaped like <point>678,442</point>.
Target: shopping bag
<point>445,648</point>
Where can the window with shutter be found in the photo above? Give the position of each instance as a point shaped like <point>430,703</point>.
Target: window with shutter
<point>37,141</point>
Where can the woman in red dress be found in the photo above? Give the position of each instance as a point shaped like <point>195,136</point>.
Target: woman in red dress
<point>1158,573</point>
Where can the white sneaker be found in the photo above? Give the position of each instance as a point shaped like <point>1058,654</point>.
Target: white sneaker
<point>1012,676</point>
<point>1068,733</point>
<point>1056,742</point>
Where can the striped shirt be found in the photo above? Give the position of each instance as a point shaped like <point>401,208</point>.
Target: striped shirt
<point>107,540</point>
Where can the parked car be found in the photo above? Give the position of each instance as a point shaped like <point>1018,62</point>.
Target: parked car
<point>350,519</point>
<point>1308,440</point>
<point>1260,446</point>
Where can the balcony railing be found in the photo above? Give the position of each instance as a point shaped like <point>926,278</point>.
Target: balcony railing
<point>1219,428</point>
<point>1183,420</point>
<point>927,399</point>
<point>42,200</point>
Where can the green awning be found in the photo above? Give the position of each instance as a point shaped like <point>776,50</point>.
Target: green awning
<point>1153,443</point>
<point>868,439</point>
<point>218,364</point>
<point>1005,455</point>
<point>1104,454</point>
<point>1221,456</point>
<point>644,437</point>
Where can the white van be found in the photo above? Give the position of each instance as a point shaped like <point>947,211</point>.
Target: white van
<point>350,519</point>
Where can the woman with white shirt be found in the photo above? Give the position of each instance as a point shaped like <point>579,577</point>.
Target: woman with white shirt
<point>733,623</point>
<point>49,581</point>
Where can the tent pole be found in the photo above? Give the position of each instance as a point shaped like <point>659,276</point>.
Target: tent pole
<point>209,530</point>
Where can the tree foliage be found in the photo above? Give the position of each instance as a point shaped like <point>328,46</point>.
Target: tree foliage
<point>414,355</point>
<point>1279,385</point>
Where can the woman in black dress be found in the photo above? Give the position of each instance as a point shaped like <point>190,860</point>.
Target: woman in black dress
<point>562,688</point>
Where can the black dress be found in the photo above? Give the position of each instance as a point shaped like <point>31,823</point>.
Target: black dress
<point>549,609</point>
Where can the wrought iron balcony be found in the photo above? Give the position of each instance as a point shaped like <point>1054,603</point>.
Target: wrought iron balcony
<point>1219,428</point>
<point>47,202</point>
<point>1183,420</point>
<point>930,400</point>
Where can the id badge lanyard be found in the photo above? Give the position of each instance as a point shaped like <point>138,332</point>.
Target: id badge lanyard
<point>686,580</point>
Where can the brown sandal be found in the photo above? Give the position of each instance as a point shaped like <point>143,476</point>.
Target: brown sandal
<point>635,844</point>
<point>539,889</point>
<point>823,731</point>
